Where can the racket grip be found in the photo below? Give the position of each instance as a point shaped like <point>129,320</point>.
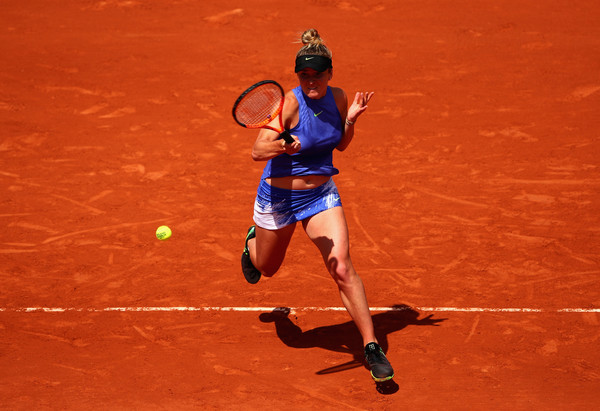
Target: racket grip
<point>287,136</point>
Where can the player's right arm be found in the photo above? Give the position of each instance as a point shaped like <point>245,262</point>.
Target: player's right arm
<point>268,144</point>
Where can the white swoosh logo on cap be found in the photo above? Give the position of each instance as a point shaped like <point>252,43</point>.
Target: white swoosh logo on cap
<point>309,58</point>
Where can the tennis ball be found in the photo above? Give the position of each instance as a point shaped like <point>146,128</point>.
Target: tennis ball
<point>163,232</point>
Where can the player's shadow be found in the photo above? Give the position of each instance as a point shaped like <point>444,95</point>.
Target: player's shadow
<point>345,338</point>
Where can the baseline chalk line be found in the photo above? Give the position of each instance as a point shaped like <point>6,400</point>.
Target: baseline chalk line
<point>268,309</point>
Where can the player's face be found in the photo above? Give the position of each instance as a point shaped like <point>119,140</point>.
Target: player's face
<point>314,83</point>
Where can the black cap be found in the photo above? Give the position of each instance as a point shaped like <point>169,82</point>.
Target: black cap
<point>318,63</point>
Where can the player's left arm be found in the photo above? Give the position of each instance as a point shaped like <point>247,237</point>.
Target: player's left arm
<point>350,114</point>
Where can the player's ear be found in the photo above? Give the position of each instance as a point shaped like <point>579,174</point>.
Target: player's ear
<point>330,73</point>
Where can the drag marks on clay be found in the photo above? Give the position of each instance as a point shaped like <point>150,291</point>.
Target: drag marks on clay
<point>102,5</point>
<point>583,92</point>
<point>473,328</point>
<point>70,368</point>
<point>314,393</point>
<point>406,277</point>
<point>555,182</point>
<point>481,222</point>
<point>102,229</point>
<point>576,256</point>
<point>34,227</point>
<point>201,327</point>
<point>211,109</point>
<point>121,112</point>
<point>374,246</point>
<point>93,109</point>
<point>80,90</point>
<point>73,342</point>
<point>535,198</point>
<point>423,309</point>
<point>98,108</point>
<point>20,244</point>
<point>529,239</point>
<point>457,262</point>
<point>219,369</point>
<point>449,198</point>
<point>514,133</point>
<point>93,210</point>
<point>537,45</point>
<point>146,335</point>
<point>6,174</point>
<point>225,17</point>
<point>591,319</point>
<point>20,145</point>
<point>100,195</point>
<point>16,251</point>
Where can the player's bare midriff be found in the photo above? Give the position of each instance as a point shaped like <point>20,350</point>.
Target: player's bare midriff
<point>298,182</point>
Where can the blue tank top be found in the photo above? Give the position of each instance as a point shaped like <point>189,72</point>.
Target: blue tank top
<point>319,130</point>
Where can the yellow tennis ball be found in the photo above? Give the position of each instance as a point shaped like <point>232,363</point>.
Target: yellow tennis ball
<point>163,232</point>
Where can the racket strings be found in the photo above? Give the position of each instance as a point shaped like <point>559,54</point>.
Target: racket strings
<point>259,106</point>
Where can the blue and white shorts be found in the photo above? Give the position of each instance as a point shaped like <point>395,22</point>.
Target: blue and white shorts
<point>276,208</point>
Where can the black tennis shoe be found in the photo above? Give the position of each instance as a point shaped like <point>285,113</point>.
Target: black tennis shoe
<point>251,274</point>
<point>380,367</point>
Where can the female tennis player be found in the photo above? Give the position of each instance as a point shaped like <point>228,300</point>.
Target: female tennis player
<point>297,186</point>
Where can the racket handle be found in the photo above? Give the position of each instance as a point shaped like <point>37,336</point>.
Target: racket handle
<point>287,136</point>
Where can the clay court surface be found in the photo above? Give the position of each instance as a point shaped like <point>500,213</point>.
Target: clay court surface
<point>471,192</point>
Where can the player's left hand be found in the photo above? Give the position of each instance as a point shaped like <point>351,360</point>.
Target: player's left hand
<point>359,105</point>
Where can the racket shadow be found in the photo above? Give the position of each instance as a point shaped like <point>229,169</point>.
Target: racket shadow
<point>344,338</point>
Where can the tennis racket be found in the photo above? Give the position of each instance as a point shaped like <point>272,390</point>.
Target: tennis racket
<point>259,105</point>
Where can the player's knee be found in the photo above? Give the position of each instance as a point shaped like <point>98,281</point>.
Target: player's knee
<point>269,273</point>
<point>268,269</point>
<point>342,272</point>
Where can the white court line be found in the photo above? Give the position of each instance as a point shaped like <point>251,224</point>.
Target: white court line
<point>267,309</point>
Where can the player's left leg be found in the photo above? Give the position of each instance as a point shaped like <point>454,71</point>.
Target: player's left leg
<point>329,232</point>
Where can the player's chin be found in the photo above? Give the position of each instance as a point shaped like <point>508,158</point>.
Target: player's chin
<point>314,93</point>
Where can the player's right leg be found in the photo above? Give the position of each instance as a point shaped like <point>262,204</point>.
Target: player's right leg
<point>268,247</point>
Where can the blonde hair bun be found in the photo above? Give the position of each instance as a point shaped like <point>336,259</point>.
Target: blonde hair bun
<point>312,37</point>
<point>312,43</point>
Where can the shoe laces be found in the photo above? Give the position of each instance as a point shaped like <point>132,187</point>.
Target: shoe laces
<point>374,354</point>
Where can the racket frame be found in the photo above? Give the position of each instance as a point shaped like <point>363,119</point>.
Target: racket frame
<point>285,134</point>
